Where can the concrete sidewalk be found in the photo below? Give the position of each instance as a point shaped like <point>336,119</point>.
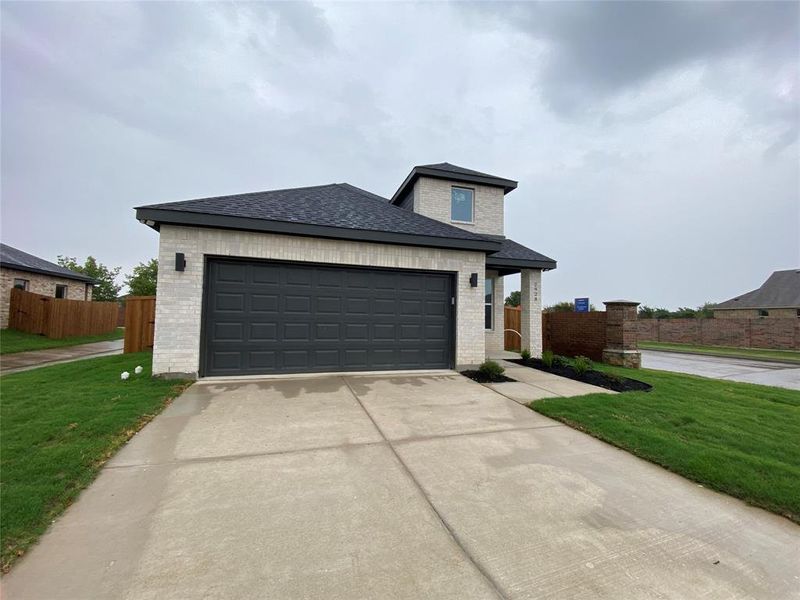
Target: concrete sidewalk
<point>397,487</point>
<point>24,361</point>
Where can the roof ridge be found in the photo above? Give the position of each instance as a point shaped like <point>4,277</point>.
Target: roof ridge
<point>242,194</point>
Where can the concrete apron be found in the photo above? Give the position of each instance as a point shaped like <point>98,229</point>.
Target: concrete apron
<point>394,487</point>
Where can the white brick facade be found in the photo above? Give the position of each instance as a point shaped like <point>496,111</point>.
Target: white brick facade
<point>531,318</point>
<point>432,199</point>
<point>38,283</point>
<point>180,293</point>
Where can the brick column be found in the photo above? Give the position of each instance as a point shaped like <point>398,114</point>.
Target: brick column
<point>531,318</point>
<point>622,346</point>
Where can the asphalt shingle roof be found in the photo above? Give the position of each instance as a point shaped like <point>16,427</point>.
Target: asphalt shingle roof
<point>452,172</point>
<point>22,261</point>
<point>456,170</point>
<point>512,250</point>
<point>781,290</point>
<point>338,205</point>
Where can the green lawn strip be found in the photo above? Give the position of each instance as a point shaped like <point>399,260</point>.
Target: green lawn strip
<point>736,438</point>
<point>58,426</point>
<point>754,353</point>
<point>12,341</point>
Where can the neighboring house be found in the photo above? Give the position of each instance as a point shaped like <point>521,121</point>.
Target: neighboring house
<point>335,278</point>
<point>19,269</point>
<point>778,296</point>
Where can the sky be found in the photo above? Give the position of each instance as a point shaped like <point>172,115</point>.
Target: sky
<point>655,144</point>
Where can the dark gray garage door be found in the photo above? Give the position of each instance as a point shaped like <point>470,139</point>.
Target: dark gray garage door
<point>269,317</point>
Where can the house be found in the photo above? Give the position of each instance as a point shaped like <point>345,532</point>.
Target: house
<point>335,278</point>
<point>778,296</point>
<point>19,269</point>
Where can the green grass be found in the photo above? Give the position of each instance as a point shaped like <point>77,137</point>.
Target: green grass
<point>12,341</point>
<point>58,425</point>
<point>737,438</point>
<point>754,353</point>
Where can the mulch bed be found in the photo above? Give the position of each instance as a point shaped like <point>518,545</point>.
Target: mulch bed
<point>481,378</point>
<point>598,378</point>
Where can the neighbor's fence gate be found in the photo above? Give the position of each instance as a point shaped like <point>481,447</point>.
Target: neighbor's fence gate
<point>512,324</point>
<point>58,317</point>
<point>140,319</point>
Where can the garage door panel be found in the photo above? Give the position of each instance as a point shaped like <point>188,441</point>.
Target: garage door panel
<point>264,317</point>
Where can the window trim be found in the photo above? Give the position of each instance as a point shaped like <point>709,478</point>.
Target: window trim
<point>472,211</point>
<point>66,291</point>
<point>490,282</point>
<point>25,284</point>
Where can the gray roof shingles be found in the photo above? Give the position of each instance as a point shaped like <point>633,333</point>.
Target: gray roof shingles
<point>17,259</point>
<point>335,205</point>
<point>512,250</point>
<point>780,290</point>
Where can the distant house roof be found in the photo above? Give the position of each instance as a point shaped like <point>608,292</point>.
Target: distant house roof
<point>454,173</point>
<point>781,290</point>
<point>13,258</point>
<point>338,210</point>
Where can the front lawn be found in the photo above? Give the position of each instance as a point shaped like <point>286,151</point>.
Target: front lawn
<point>12,341</point>
<point>738,438</point>
<point>58,425</point>
<point>752,353</point>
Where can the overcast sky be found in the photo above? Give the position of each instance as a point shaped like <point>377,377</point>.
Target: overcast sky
<point>655,144</point>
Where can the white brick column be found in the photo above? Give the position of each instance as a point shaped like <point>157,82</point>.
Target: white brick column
<point>531,301</point>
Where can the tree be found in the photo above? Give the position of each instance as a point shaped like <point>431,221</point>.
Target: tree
<point>514,298</point>
<point>105,287</point>
<point>706,311</point>
<point>142,282</point>
<point>565,306</point>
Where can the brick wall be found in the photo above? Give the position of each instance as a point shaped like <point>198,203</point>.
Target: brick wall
<point>38,284</point>
<point>495,337</point>
<point>765,332</point>
<point>180,293</point>
<point>575,334</point>
<point>752,313</point>
<point>432,199</point>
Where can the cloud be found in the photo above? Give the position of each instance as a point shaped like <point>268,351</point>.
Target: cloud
<point>669,128</point>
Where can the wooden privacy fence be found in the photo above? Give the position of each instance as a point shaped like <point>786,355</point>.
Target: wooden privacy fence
<point>140,319</point>
<point>512,319</point>
<point>58,317</point>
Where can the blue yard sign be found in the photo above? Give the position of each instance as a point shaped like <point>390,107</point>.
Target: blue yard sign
<point>581,305</point>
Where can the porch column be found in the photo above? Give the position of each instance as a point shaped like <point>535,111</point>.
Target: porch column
<point>531,318</point>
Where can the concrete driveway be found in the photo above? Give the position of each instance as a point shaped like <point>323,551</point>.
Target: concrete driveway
<point>418,486</point>
<point>737,369</point>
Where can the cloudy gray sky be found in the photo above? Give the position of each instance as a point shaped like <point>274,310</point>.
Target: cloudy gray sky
<point>655,144</point>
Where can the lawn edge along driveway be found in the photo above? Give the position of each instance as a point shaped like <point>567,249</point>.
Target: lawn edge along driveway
<point>13,341</point>
<point>736,438</point>
<point>58,427</point>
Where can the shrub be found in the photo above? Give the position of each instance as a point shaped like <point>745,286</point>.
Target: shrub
<point>491,370</point>
<point>560,361</point>
<point>525,354</point>
<point>547,358</point>
<point>582,365</point>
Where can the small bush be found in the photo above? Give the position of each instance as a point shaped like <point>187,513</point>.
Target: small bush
<point>582,365</point>
<point>560,361</point>
<point>547,358</point>
<point>525,354</point>
<point>491,370</point>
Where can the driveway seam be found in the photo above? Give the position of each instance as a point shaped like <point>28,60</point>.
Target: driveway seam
<point>232,457</point>
<point>494,585</point>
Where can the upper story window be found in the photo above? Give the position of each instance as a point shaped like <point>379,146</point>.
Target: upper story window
<point>21,284</point>
<point>462,205</point>
<point>61,291</point>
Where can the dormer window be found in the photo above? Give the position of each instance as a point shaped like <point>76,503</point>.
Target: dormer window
<point>462,205</point>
